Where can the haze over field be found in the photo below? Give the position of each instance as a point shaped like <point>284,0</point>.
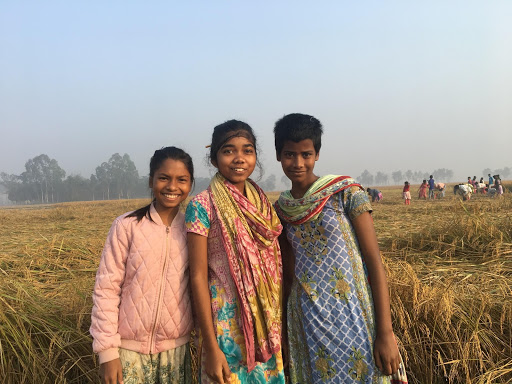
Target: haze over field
<point>397,85</point>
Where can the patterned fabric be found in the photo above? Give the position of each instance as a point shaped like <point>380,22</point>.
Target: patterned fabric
<point>308,207</point>
<point>169,367</point>
<point>422,192</point>
<point>202,218</point>
<point>250,228</point>
<point>331,325</point>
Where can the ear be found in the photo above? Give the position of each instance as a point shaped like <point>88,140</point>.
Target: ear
<point>278,156</point>
<point>317,156</point>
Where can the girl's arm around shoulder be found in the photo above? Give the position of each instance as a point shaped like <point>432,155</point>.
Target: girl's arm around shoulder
<point>385,348</point>
<point>107,290</point>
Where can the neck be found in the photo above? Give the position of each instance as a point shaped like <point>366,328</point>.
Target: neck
<point>167,215</point>
<point>299,189</point>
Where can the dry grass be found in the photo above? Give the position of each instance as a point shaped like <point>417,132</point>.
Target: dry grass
<point>449,266</point>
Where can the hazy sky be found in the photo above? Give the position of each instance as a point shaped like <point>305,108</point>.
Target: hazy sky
<point>396,84</point>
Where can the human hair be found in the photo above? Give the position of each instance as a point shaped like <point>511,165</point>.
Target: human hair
<point>431,176</point>
<point>406,183</point>
<point>155,163</point>
<point>224,132</point>
<point>297,127</point>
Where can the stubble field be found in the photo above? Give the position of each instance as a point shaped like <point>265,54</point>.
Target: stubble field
<point>449,266</point>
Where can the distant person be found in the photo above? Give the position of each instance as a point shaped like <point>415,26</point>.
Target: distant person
<point>470,182</point>
<point>497,185</point>
<point>491,180</point>
<point>464,190</point>
<point>473,182</point>
<point>375,194</point>
<point>481,180</point>
<point>406,193</point>
<point>431,187</point>
<point>422,190</point>
<point>440,188</point>
<point>142,315</point>
<point>339,325</point>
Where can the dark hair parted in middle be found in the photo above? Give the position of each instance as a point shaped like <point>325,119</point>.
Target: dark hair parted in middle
<point>297,127</point>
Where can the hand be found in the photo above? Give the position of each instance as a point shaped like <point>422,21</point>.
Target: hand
<point>216,366</point>
<point>385,351</point>
<point>111,372</point>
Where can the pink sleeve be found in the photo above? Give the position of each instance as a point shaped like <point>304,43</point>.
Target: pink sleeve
<point>107,293</point>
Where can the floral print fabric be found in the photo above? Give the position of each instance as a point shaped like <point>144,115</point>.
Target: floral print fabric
<point>201,218</point>
<point>168,367</point>
<point>331,322</point>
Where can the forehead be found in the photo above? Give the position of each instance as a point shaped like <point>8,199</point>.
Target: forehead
<point>171,166</point>
<point>305,145</point>
<point>238,141</point>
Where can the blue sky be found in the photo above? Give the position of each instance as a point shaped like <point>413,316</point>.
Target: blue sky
<point>396,84</point>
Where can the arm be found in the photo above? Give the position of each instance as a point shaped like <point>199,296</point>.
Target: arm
<point>288,275</point>
<point>216,365</point>
<point>385,348</point>
<point>106,299</point>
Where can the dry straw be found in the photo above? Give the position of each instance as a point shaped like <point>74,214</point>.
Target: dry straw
<point>449,265</point>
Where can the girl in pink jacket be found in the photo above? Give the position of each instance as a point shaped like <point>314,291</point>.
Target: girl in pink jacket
<point>141,318</point>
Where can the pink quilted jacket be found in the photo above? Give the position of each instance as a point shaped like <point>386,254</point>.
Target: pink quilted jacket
<point>141,296</point>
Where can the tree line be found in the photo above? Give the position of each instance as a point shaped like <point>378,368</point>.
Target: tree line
<point>44,181</point>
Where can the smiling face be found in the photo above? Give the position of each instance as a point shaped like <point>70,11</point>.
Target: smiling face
<point>236,160</point>
<point>171,184</point>
<point>298,161</point>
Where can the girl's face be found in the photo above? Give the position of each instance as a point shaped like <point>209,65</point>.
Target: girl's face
<point>236,161</point>
<point>171,185</point>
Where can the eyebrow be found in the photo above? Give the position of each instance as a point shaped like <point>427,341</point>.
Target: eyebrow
<point>232,145</point>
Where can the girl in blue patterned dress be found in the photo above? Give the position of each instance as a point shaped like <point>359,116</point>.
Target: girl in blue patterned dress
<point>339,325</point>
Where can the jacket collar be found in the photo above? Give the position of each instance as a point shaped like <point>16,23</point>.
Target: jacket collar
<point>179,220</point>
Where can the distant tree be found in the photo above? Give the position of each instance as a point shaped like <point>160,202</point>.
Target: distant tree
<point>285,181</point>
<point>503,172</point>
<point>381,178</point>
<point>397,177</point>
<point>269,184</point>
<point>104,179</point>
<point>45,173</point>
<point>366,178</point>
<point>76,188</point>
<point>487,171</point>
<point>418,176</point>
<point>409,175</point>
<point>443,174</point>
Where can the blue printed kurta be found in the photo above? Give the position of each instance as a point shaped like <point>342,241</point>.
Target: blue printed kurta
<point>331,323</point>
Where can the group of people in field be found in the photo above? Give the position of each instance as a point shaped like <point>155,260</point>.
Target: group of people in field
<point>429,189</point>
<point>292,292</point>
<point>494,188</point>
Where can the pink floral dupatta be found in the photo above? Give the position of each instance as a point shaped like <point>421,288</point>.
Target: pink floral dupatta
<point>250,228</point>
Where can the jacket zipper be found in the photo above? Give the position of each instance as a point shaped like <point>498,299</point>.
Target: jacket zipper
<point>159,304</point>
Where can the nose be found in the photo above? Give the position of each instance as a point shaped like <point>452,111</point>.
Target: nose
<point>239,158</point>
<point>299,162</point>
<point>172,185</point>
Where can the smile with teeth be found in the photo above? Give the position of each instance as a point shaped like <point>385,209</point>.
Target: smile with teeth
<point>170,196</point>
<point>238,169</point>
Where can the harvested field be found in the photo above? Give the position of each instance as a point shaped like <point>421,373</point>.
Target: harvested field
<point>449,265</point>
